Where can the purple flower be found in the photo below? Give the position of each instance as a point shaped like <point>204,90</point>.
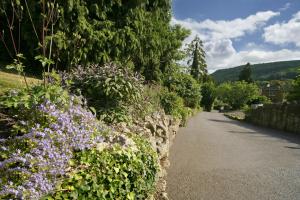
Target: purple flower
<point>53,145</point>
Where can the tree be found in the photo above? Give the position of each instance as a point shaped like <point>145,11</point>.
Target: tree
<point>294,94</point>
<point>196,55</point>
<point>208,91</point>
<point>246,73</point>
<point>135,33</point>
<point>237,94</point>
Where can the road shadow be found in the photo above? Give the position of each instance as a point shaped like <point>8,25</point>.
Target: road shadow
<point>260,131</point>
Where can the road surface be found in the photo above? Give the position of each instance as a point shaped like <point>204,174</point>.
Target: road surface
<point>215,158</point>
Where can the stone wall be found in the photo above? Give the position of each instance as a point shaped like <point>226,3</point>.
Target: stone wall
<point>282,117</point>
<point>160,129</point>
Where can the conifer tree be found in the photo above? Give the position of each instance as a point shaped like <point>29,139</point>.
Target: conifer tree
<point>246,73</point>
<point>196,55</point>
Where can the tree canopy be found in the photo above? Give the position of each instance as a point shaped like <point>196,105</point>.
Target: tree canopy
<point>136,33</point>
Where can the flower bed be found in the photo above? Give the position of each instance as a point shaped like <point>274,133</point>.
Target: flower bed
<point>66,152</point>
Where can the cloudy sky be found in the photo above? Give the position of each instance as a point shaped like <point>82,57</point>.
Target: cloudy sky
<point>239,31</point>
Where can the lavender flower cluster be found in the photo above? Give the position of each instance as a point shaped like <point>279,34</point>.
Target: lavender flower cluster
<point>52,146</point>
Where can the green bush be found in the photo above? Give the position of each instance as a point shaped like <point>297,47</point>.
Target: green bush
<point>111,173</point>
<point>110,89</point>
<point>260,100</point>
<point>150,102</point>
<point>186,87</point>
<point>64,152</point>
<point>294,94</point>
<point>208,92</point>
<point>237,94</point>
<point>174,105</point>
<point>220,105</point>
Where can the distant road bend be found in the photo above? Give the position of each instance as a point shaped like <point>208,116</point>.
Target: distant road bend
<point>215,158</point>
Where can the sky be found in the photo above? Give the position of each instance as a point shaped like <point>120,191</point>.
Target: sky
<point>239,31</point>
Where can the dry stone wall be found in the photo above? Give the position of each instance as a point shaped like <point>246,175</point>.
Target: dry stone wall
<point>279,116</point>
<point>160,129</point>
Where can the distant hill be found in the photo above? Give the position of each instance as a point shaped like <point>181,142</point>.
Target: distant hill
<point>266,71</point>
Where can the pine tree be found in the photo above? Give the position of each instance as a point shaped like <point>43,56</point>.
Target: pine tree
<point>246,73</point>
<point>196,54</point>
<point>195,69</point>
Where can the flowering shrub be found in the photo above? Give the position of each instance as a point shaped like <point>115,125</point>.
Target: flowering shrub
<point>23,104</point>
<point>63,148</point>
<point>41,157</point>
<point>110,89</point>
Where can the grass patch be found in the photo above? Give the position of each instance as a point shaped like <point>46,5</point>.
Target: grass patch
<point>12,81</point>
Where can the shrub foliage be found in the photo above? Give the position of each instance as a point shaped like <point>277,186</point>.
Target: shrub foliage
<point>208,91</point>
<point>237,94</point>
<point>110,89</point>
<point>62,151</point>
<point>186,87</point>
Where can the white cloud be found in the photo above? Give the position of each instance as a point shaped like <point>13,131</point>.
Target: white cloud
<point>221,29</point>
<point>284,33</point>
<point>219,36</point>
<point>286,6</point>
<point>254,57</point>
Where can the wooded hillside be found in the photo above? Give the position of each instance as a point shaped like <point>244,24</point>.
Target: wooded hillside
<point>266,71</point>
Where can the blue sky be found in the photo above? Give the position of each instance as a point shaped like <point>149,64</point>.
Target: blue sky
<point>239,31</point>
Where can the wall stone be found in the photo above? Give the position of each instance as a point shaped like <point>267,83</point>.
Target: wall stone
<point>279,116</point>
<point>160,129</point>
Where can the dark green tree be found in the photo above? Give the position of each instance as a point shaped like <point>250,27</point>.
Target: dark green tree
<point>136,33</point>
<point>246,74</point>
<point>208,91</point>
<point>196,55</point>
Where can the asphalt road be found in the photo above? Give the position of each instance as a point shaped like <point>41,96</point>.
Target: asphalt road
<point>216,158</point>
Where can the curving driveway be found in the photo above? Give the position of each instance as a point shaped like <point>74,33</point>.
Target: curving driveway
<point>215,158</point>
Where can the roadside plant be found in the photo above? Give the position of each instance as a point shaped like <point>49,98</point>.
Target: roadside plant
<point>126,170</point>
<point>260,100</point>
<point>174,105</point>
<point>186,87</point>
<point>237,94</point>
<point>59,148</point>
<point>208,91</point>
<point>32,164</point>
<point>294,94</point>
<point>110,89</point>
<point>28,99</point>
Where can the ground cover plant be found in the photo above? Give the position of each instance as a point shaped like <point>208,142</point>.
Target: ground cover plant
<point>60,141</point>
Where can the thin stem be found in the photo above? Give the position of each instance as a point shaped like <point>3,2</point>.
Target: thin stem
<point>25,79</point>
<point>44,27</point>
<point>33,26</point>
<point>10,25</point>
<point>19,40</point>
<point>51,43</point>
<point>43,40</point>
